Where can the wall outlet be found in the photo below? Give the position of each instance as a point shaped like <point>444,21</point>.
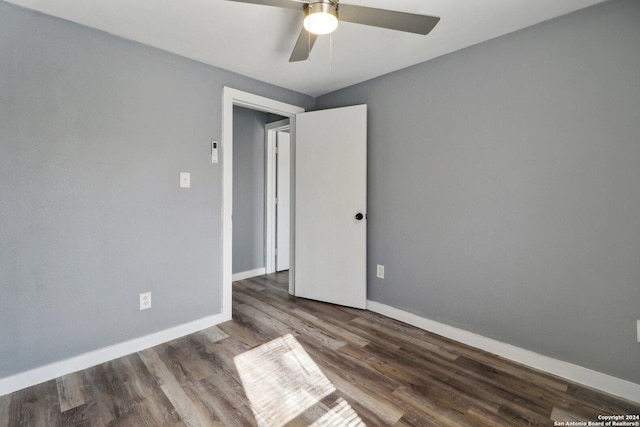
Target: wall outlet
<point>380,271</point>
<point>145,300</point>
<point>638,329</point>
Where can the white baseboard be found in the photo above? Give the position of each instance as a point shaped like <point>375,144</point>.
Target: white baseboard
<point>96,357</point>
<point>248,274</point>
<point>569,371</point>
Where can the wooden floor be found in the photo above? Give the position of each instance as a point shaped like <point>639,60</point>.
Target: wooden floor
<point>287,361</point>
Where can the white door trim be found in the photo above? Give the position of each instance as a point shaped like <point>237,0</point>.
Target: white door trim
<point>271,130</point>
<point>231,97</point>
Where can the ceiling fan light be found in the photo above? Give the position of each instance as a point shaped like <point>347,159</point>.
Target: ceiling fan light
<point>321,18</point>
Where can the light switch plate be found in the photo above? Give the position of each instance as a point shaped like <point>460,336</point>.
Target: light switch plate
<point>380,271</point>
<point>185,180</point>
<point>638,329</point>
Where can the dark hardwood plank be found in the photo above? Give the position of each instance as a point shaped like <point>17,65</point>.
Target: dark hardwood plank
<point>598,400</point>
<point>226,398</point>
<point>5,404</point>
<point>151,403</point>
<point>293,322</point>
<point>35,406</point>
<point>107,391</point>
<point>390,335</point>
<point>330,329</point>
<point>213,334</point>
<point>86,415</point>
<point>73,391</point>
<point>428,409</point>
<point>381,407</point>
<point>340,366</point>
<point>189,405</point>
<point>324,411</point>
<point>243,331</point>
<point>265,323</point>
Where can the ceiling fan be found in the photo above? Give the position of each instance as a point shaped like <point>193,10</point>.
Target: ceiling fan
<point>322,16</point>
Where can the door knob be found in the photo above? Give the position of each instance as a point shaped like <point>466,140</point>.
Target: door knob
<point>359,216</point>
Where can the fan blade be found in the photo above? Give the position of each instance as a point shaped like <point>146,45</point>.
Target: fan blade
<point>303,46</point>
<point>401,21</point>
<point>288,4</point>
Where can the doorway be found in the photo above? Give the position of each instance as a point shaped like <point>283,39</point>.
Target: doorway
<point>328,226</point>
<point>233,97</point>
<point>277,195</point>
<point>249,167</point>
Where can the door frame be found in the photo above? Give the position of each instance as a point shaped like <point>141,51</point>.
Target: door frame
<point>230,98</point>
<point>271,129</point>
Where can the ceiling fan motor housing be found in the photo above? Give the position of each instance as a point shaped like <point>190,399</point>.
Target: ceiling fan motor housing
<point>321,16</point>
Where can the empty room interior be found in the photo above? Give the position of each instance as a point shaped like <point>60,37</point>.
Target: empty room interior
<point>218,213</point>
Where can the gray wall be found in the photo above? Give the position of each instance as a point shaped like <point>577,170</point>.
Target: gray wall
<point>248,189</point>
<point>504,187</point>
<point>94,131</point>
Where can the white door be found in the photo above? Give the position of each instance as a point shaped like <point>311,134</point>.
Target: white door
<point>283,159</point>
<point>330,206</point>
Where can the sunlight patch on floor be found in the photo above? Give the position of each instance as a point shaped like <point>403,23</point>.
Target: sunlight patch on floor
<point>282,382</point>
<point>342,414</point>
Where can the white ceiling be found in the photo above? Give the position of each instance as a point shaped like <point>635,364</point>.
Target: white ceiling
<point>256,41</point>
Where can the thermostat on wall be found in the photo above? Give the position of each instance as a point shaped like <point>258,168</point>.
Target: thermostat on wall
<point>214,151</point>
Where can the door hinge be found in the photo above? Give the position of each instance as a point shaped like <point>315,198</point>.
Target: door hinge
<point>275,201</point>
